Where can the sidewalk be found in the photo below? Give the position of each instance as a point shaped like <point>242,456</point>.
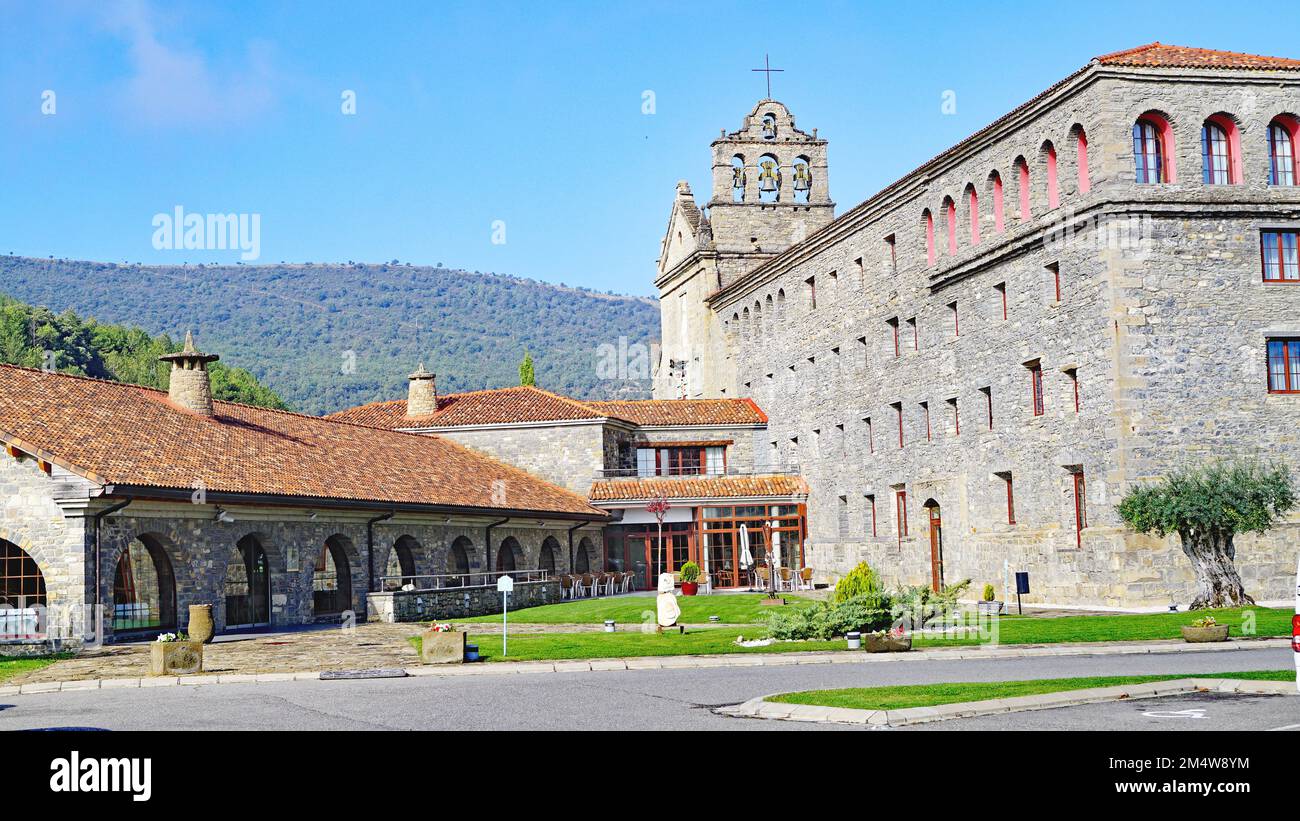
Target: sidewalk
<point>408,666</point>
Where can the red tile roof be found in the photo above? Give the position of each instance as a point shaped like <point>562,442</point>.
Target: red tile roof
<point>673,412</point>
<point>1160,55</point>
<point>488,407</point>
<point>721,487</point>
<point>530,404</point>
<point>132,436</point>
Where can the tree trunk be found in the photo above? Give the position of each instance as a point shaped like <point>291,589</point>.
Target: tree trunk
<point>1217,582</point>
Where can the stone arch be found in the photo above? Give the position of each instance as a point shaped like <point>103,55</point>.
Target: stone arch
<point>931,248</point>
<point>585,558</point>
<point>143,594</point>
<point>801,183</point>
<point>1221,132</point>
<point>332,577</point>
<point>22,581</point>
<point>997,200</point>
<point>971,200</point>
<point>1082,172</point>
<point>510,556</point>
<point>769,178</point>
<point>549,557</point>
<point>458,558</point>
<point>758,318</point>
<point>1024,208</point>
<point>780,303</point>
<point>1282,144</point>
<point>950,225</point>
<point>739,178</point>
<point>402,562</point>
<point>1051,172</point>
<point>1155,151</point>
<point>246,584</point>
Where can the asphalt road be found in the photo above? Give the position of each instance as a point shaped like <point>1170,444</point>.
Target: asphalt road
<point>630,700</point>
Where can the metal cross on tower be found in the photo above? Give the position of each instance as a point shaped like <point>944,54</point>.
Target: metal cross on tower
<point>767,69</point>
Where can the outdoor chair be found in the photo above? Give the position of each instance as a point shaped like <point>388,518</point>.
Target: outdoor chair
<point>806,578</point>
<point>785,578</point>
<point>587,586</point>
<point>615,584</point>
<point>629,582</point>
<point>762,577</point>
<point>568,587</point>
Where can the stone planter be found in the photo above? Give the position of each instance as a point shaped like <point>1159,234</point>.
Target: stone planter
<point>1197,635</point>
<point>988,608</point>
<point>201,629</point>
<point>877,643</point>
<point>175,658</point>
<point>443,648</point>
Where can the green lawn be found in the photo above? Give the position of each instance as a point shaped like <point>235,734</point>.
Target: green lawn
<point>931,695</point>
<point>731,608</point>
<point>1137,627</point>
<point>10,667</point>
<point>629,641</point>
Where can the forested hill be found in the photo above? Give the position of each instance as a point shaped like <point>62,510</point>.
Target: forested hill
<point>34,337</point>
<point>329,336</point>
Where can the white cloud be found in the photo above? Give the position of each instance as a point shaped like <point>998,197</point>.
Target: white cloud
<point>179,86</point>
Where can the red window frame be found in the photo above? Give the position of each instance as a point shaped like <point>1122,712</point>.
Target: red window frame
<point>1280,257</point>
<point>893,323</point>
<point>1073,373</point>
<point>1001,288</point>
<point>1283,167</point>
<point>1080,507</point>
<point>1283,365</point>
<point>871,506</point>
<point>900,505</point>
<point>1055,268</point>
<point>892,243</point>
<point>1011,499</point>
<point>973,205</point>
<point>898,409</point>
<point>1036,388</point>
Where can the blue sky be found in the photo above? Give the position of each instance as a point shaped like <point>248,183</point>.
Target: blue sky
<point>527,113</point>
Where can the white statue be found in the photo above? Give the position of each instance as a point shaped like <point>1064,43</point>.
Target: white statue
<point>666,602</point>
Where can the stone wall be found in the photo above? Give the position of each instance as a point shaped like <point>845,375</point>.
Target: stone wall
<point>457,602</point>
<point>567,454</point>
<point>1161,319</point>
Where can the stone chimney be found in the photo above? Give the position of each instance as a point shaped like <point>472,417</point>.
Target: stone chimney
<point>188,385</point>
<point>421,393</point>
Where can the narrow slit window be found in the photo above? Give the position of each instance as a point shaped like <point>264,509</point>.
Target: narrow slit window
<point>1036,388</point>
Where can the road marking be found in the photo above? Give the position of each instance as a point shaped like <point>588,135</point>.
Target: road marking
<point>1194,712</point>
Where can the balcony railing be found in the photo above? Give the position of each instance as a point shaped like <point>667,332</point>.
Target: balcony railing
<point>443,581</point>
<point>702,473</point>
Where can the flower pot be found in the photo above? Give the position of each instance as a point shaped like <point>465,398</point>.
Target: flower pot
<point>443,648</point>
<point>988,608</point>
<point>175,658</point>
<point>201,629</point>
<point>690,588</point>
<point>1197,635</point>
<point>877,643</point>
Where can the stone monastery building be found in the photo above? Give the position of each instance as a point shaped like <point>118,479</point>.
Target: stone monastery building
<point>957,378</point>
<point>969,368</point>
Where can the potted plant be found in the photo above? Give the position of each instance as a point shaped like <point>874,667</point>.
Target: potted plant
<point>442,644</point>
<point>173,654</point>
<point>1203,630</point>
<point>887,641</point>
<point>988,605</point>
<point>690,573</point>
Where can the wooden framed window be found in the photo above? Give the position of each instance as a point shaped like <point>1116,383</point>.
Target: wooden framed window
<point>870,506</point>
<point>1216,154</point>
<point>893,329</point>
<point>1280,257</point>
<point>1284,366</point>
<point>1080,507</point>
<point>1054,280</point>
<point>900,505</point>
<point>1001,289</point>
<point>1011,496</point>
<point>1149,151</point>
<point>988,402</point>
<point>1282,168</point>
<point>898,411</point>
<point>1036,387</point>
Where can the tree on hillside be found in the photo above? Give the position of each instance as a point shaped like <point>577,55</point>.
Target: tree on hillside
<point>526,376</point>
<point>1207,506</point>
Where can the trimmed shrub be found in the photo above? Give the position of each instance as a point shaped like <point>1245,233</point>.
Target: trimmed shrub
<point>860,581</point>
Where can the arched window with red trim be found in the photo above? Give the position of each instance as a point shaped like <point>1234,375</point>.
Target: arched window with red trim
<point>930,252</point>
<point>950,221</point>
<point>1153,154</point>
<point>1022,172</point>
<point>973,210</point>
<point>1220,151</point>
<point>1081,160</point>
<point>999,217</point>
<point>1282,135</point>
<point>1053,183</point>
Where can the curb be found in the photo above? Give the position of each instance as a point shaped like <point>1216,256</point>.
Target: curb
<point>670,663</point>
<point>761,708</point>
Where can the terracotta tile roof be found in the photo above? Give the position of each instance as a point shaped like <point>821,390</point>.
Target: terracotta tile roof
<point>487,407</point>
<point>128,435</point>
<point>1160,55</point>
<point>721,487</point>
<point>530,404</point>
<point>685,411</point>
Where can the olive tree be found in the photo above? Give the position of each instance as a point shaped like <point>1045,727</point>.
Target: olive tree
<point>1207,506</point>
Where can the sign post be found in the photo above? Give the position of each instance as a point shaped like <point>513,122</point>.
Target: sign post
<point>1295,626</point>
<point>1022,586</point>
<point>505,586</point>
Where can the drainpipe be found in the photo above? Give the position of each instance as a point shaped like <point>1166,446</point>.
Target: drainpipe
<point>99,516</point>
<point>487,540</point>
<point>370,549</point>
<point>572,530</point>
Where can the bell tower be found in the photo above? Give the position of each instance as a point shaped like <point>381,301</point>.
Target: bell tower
<point>769,184</point>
